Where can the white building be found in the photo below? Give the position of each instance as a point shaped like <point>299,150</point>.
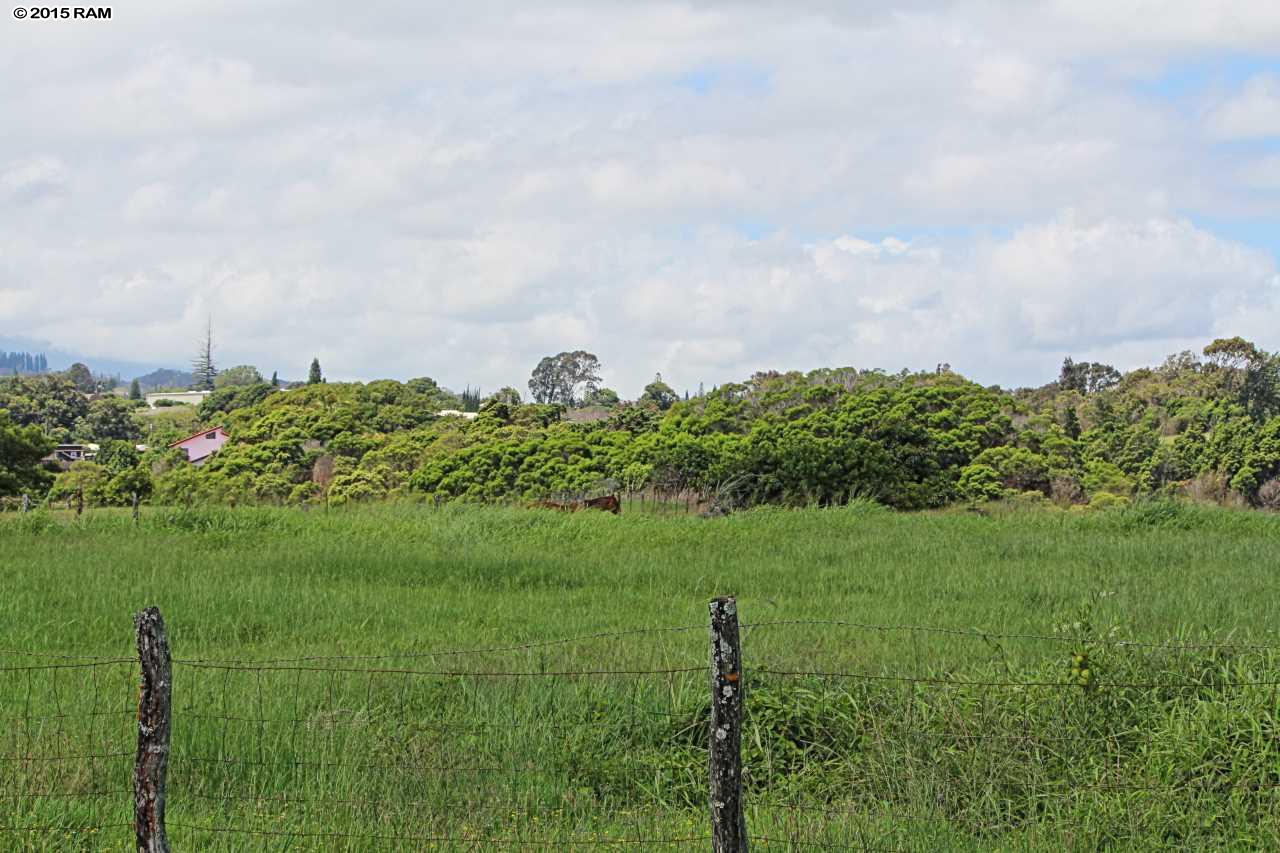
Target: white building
<point>194,398</point>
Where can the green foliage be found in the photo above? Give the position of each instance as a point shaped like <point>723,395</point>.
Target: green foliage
<point>825,437</point>
<point>314,376</point>
<point>21,449</point>
<point>606,398</point>
<point>116,456</point>
<point>659,394</point>
<point>557,378</point>
<point>78,375</point>
<point>50,401</point>
<point>101,486</point>
<point>243,374</point>
<point>230,397</point>
<point>1102,477</point>
<point>507,396</point>
<point>108,418</point>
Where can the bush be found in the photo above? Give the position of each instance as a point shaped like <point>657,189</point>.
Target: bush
<point>1269,494</point>
<point>1065,491</point>
<point>1106,500</point>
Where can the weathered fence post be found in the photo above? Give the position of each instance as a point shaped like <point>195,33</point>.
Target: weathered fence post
<point>154,703</point>
<point>137,513</point>
<point>79,501</point>
<point>728,820</point>
<point>26,503</point>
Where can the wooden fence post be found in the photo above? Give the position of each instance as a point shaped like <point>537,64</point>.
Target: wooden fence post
<point>154,704</point>
<point>26,503</point>
<point>79,501</point>
<point>137,513</point>
<point>728,820</point>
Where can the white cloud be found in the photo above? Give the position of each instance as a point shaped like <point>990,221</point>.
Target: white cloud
<point>702,189</point>
<point>1253,112</point>
<point>33,180</point>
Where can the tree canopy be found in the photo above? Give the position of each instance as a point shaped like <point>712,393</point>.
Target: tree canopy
<point>1204,427</point>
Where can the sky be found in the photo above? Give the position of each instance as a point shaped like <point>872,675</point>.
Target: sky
<point>698,189</point>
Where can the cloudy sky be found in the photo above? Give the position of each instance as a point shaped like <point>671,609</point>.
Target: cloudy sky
<point>702,189</point>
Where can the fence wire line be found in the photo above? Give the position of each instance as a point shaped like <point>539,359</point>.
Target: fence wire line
<point>1093,685</point>
<point>994,635</point>
<point>825,845</point>
<point>443,673</point>
<point>22,653</point>
<point>1170,645</point>
<point>85,757</point>
<point>361,765</point>
<point>64,828</point>
<point>523,723</point>
<point>441,838</point>
<point>86,665</point>
<point>536,644</point>
<point>384,806</point>
<point>86,715</point>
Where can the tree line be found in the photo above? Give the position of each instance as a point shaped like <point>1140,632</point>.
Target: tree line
<point>1205,425</point>
<point>23,362</point>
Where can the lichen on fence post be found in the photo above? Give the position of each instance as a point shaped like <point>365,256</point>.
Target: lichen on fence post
<point>154,706</point>
<point>728,820</point>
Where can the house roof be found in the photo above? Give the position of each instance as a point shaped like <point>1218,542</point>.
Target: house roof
<point>196,435</point>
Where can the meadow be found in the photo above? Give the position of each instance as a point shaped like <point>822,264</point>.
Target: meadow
<point>402,677</point>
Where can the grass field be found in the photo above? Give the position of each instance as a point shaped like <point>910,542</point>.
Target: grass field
<point>376,742</point>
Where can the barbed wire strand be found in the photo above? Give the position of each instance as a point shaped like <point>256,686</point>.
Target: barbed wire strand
<point>439,839</point>
<point>911,679</point>
<point>446,673</point>
<point>996,635</point>
<point>535,644</point>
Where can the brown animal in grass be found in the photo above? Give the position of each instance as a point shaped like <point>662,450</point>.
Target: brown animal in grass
<point>608,503</point>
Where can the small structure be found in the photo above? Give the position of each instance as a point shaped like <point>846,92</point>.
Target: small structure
<point>193,398</point>
<point>66,455</point>
<point>454,413</point>
<point>203,444</point>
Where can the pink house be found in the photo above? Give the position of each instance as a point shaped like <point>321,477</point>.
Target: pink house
<point>203,444</point>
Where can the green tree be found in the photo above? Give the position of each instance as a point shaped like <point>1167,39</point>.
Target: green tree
<point>275,379</point>
<point>108,418</point>
<point>116,456</point>
<point>50,401</point>
<point>1087,377</point>
<point>557,378</point>
<point>135,390</point>
<point>241,374</point>
<point>507,395</point>
<point>659,393</point>
<point>604,397</point>
<point>81,378</point>
<point>314,376</point>
<point>21,449</point>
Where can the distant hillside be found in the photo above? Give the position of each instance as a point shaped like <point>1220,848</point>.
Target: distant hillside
<point>166,378</point>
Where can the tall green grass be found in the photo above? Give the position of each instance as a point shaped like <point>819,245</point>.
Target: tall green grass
<point>1065,738</point>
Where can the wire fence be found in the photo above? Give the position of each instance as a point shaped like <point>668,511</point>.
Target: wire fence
<point>1097,742</point>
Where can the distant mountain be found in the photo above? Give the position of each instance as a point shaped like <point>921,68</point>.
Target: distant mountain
<point>166,377</point>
